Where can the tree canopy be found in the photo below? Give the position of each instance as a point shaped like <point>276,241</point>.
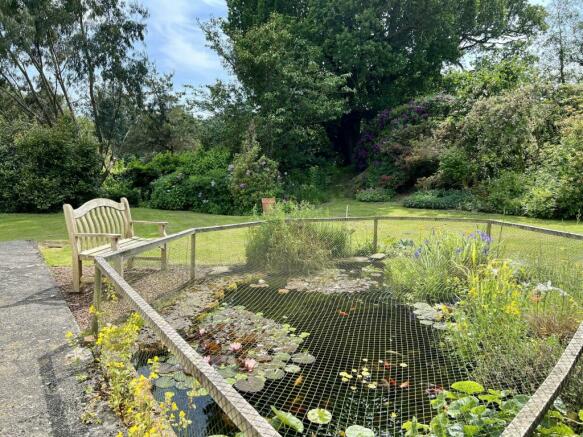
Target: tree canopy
<point>359,56</point>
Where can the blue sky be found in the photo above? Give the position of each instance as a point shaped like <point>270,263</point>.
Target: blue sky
<point>176,44</point>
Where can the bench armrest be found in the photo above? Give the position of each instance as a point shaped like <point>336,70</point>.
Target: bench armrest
<point>113,237</point>
<point>161,225</point>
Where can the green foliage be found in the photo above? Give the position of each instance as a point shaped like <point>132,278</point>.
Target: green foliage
<point>43,167</point>
<point>456,169</point>
<point>374,195</point>
<point>463,413</point>
<point>310,185</point>
<point>505,193</point>
<point>253,176</point>
<point>490,77</point>
<point>480,412</point>
<point>285,419</point>
<point>442,199</point>
<point>437,269</point>
<point>295,246</point>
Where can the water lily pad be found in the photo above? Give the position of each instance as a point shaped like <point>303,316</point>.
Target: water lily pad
<point>178,376</point>
<point>319,416</point>
<point>164,382</point>
<point>250,385</point>
<point>227,372</point>
<point>359,431</point>
<point>303,358</point>
<point>274,374</point>
<point>468,387</point>
<point>292,368</point>
<point>281,356</point>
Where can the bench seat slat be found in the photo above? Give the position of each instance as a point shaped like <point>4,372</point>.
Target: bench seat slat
<point>105,249</point>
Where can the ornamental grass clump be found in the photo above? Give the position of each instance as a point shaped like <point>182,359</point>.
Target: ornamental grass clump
<point>437,269</point>
<point>287,244</point>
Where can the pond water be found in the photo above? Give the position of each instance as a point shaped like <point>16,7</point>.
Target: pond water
<point>376,365</point>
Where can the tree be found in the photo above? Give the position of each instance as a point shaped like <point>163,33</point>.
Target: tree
<point>385,51</point>
<point>562,44</point>
<point>74,56</point>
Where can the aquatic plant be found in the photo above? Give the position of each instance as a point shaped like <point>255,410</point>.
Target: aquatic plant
<point>437,269</point>
<point>295,246</point>
<point>319,416</point>
<point>468,409</point>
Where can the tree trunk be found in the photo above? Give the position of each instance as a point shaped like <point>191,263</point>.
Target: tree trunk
<point>344,135</point>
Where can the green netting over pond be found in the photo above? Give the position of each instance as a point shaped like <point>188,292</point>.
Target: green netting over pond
<point>326,327</point>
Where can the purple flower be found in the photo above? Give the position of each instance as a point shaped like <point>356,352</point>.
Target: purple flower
<point>417,253</point>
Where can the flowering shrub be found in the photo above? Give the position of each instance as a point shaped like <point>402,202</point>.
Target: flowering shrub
<point>253,176</point>
<point>200,183</point>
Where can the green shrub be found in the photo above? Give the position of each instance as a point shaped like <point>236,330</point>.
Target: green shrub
<point>295,246</point>
<point>442,199</point>
<point>312,186</point>
<point>456,169</point>
<point>438,268</point>
<point>505,193</point>
<point>43,167</point>
<point>374,195</point>
<point>253,176</point>
<point>207,193</point>
<point>540,199</point>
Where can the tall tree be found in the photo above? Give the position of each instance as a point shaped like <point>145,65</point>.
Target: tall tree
<point>387,51</point>
<point>561,46</point>
<point>75,56</point>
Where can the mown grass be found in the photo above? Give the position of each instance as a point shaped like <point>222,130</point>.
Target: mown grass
<point>51,227</point>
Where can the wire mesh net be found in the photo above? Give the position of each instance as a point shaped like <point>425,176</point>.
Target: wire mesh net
<point>355,316</point>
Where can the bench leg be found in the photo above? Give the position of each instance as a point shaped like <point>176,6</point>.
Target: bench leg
<point>77,272</point>
<point>130,263</point>
<point>164,257</point>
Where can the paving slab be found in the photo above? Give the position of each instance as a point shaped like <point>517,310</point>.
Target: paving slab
<point>39,393</point>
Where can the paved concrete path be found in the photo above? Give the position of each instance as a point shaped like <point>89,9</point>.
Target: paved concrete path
<point>39,395</point>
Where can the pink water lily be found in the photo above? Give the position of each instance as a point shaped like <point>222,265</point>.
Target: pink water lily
<point>249,364</point>
<point>234,347</point>
<point>202,331</point>
<point>207,359</point>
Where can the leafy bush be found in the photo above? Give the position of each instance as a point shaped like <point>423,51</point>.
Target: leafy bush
<point>442,199</point>
<point>505,193</point>
<point>438,268</point>
<point>311,185</point>
<point>208,193</point>
<point>456,169</point>
<point>295,246</point>
<point>43,167</point>
<point>374,195</point>
<point>253,177</point>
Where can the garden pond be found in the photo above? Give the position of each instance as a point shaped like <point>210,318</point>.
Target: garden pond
<point>336,341</point>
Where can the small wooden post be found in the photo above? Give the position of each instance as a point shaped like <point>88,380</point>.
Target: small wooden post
<point>375,236</point>
<point>118,264</point>
<point>192,256</point>
<point>489,229</point>
<point>164,257</point>
<point>97,288</point>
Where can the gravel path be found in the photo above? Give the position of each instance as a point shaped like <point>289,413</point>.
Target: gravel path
<point>39,394</point>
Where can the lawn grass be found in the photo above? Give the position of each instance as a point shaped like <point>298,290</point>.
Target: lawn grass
<point>51,227</point>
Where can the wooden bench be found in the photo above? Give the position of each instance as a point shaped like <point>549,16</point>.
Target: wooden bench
<point>101,227</point>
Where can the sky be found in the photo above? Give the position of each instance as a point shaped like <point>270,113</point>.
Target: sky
<point>176,44</point>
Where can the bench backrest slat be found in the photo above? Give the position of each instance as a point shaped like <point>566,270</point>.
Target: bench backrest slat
<point>98,216</point>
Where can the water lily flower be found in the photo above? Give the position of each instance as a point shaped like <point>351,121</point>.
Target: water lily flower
<point>234,347</point>
<point>202,331</point>
<point>207,359</point>
<point>249,364</point>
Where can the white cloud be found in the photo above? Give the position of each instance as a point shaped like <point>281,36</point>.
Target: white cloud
<point>175,41</point>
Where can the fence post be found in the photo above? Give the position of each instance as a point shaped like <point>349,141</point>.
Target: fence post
<point>192,256</point>
<point>489,229</point>
<point>97,288</point>
<point>375,236</point>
